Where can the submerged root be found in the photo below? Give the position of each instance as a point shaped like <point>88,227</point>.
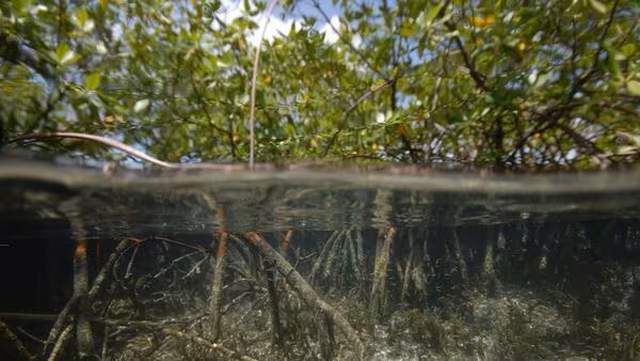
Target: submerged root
<point>378,301</point>
<point>12,345</point>
<point>215,298</point>
<point>306,292</point>
<point>61,342</point>
<point>158,305</point>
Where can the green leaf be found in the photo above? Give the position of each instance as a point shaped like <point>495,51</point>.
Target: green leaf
<point>408,29</point>
<point>633,86</point>
<point>92,81</point>
<point>433,12</point>
<point>628,49</point>
<point>612,63</point>
<point>64,55</point>
<point>377,84</point>
<point>598,6</point>
<point>141,105</point>
<point>20,6</point>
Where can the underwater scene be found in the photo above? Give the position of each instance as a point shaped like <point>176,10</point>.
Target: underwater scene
<point>317,264</point>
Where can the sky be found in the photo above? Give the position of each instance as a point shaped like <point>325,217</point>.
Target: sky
<point>276,25</point>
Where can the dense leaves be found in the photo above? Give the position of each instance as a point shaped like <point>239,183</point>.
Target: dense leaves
<point>508,84</point>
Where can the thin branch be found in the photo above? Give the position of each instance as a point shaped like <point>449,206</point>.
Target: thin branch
<point>102,140</point>
<point>360,55</point>
<point>112,143</point>
<point>254,81</point>
<point>203,106</point>
<point>351,109</point>
<point>596,57</point>
<point>477,77</point>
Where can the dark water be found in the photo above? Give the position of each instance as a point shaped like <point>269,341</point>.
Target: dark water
<point>318,265</point>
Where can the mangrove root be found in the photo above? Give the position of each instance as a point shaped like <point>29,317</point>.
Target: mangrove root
<point>12,344</point>
<point>378,301</point>
<point>305,291</point>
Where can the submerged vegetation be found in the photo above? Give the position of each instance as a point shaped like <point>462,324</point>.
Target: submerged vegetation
<point>505,84</point>
<point>443,288</point>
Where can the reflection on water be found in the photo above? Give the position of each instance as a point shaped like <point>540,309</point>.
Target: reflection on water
<point>318,266</point>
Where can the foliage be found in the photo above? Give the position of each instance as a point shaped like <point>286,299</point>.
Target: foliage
<point>545,83</point>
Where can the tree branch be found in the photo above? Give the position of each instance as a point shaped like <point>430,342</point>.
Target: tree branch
<point>477,77</point>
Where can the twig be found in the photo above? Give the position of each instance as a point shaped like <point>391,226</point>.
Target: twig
<point>477,77</point>
<point>363,57</point>
<point>194,247</point>
<point>30,336</point>
<point>351,109</point>
<point>104,271</point>
<point>203,106</point>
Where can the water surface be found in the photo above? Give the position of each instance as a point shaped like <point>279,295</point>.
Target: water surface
<point>318,264</point>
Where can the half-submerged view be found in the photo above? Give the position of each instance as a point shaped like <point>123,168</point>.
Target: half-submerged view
<point>318,265</point>
<point>330,180</point>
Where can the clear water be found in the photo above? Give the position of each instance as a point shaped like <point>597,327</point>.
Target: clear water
<point>324,264</point>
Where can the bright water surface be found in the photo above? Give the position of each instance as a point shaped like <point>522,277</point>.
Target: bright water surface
<point>395,264</point>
